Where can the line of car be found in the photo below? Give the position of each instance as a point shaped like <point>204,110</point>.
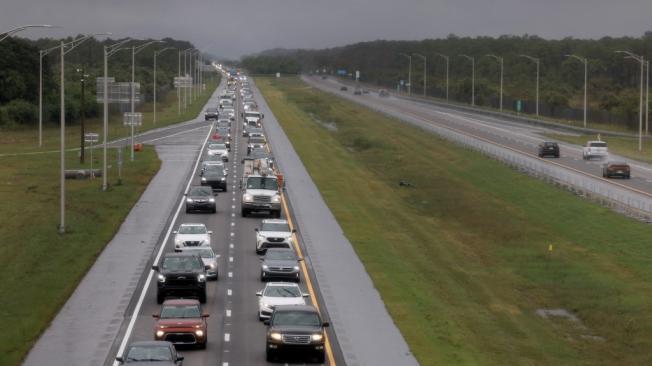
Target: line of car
<point>592,150</point>
<point>293,325</point>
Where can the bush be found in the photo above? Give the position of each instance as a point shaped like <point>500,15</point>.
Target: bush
<point>20,112</point>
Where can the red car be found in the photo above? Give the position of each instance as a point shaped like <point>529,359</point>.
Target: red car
<point>181,322</point>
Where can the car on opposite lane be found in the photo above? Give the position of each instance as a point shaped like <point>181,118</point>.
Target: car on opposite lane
<point>181,322</point>
<point>280,264</point>
<point>548,148</point>
<point>614,169</point>
<point>143,353</point>
<point>296,329</point>
<point>211,114</point>
<point>200,198</point>
<point>278,293</point>
<point>273,233</point>
<point>192,235</point>
<point>181,274</point>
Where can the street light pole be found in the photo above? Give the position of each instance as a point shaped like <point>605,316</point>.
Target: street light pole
<point>472,59</point>
<point>156,53</point>
<point>537,61</point>
<point>409,72</point>
<point>584,61</point>
<point>425,70</point>
<point>502,69</point>
<point>641,61</point>
<point>179,88</point>
<point>447,58</point>
<point>11,32</point>
<point>647,94</point>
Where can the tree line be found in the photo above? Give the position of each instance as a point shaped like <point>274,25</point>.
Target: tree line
<point>613,81</point>
<point>19,77</point>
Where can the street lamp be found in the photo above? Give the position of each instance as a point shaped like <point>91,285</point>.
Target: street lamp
<point>134,51</point>
<point>640,60</point>
<point>409,72</point>
<point>185,74</point>
<point>472,59</point>
<point>425,70</point>
<point>447,64</point>
<point>501,62</point>
<point>585,62</point>
<point>108,52</point>
<point>11,32</point>
<point>156,53</point>
<point>537,61</point>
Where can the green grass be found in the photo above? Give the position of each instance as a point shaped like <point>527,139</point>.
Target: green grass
<point>461,258</point>
<point>39,268</point>
<point>25,139</point>
<point>624,146</point>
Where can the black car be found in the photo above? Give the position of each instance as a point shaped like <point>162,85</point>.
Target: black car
<point>200,198</point>
<point>295,329</point>
<point>211,114</point>
<point>215,177</point>
<point>160,353</point>
<point>344,88</point>
<point>280,263</point>
<point>181,274</point>
<point>548,148</point>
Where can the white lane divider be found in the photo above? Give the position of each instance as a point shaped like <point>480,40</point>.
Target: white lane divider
<point>229,292</point>
<point>231,246</point>
<point>230,259</point>
<point>227,337</point>
<point>230,274</point>
<point>228,313</point>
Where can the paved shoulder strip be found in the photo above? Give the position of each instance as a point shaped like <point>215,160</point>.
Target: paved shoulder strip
<point>366,333</point>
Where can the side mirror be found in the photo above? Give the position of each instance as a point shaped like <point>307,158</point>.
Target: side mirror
<point>256,230</point>
<point>326,324</point>
<point>155,267</point>
<point>120,359</point>
<point>266,322</point>
<point>175,232</point>
<point>305,295</point>
<point>156,316</point>
<point>259,293</point>
<point>210,232</point>
<point>179,358</point>
<point>294,231</point>
<point>205,315</point>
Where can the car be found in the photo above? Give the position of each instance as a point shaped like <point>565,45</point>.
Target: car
<point>228,113</point>
<point>224,122</point>
<point>226,102</point>
<point>280,263</point>
<point>200,198</point>
<point>295,329</point>
<point>273,233</point>
<point>278,293</point>
<point>548,148</point>
<point>159,353</point>
<point>224,132</point>
<point>181,322</point>
<point>595,149</point>
<point>343,88</point>
<point>212,161</point>
<point>383,93</point>
<point>256,132</point>
<point>209,258</point>
<point>324,77</point>
<point>255,142</point>
<point>181,274</point>
<point>357,91</point>
<point>219,150</point>
<point>249,106</point>
<point>211,114</point>
<point>215,177</point>
<point>191,235</point>
<point>614,169</point>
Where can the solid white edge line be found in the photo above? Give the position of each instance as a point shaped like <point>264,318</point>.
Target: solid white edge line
<point>143,292</point>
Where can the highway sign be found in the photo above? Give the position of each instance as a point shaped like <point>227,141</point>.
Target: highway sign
<point>132,119</point>
<point>118,92</point>
<point>91,137</point>
<point>182,82</point>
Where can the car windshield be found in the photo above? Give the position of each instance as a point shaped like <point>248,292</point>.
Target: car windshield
<point>275,226</point>
<point>229,110</point>
<point>213,158</point>
<point>296,318</point>
<point>180,311</point>
<point>217,147</point>
<point>262,183</point>
<point>256,140</point>
<point>214,170</point>
<point>149,353</point>
<point>192,229</point>
<point>550,143</point>
<point>284,255</point>
<point>282,291</point>
<point>252,114</point>
<point>598,144</point>
<point>204,252</point>
<point>200,191</point>
<point>177,264</point>
<point>223,131</point>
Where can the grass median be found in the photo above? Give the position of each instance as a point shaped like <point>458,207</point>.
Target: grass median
<point>467,253</point>
<point>40,268</point>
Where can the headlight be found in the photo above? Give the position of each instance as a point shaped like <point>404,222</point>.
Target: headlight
<point>161,278</point>
<point>223,179</point>
<point>201,278</point>
<point>276,336</point>
<point>189,200</point>
<point>177,242</point>
<point>247,197</point>
<point>266,306</point>
<point>199,333</point>
<point>160,333</point>
<point>296,268</point>
<point>211,200</point>
<point>203,179</point>
<point>276,199</point>
<point>211,265</point>
<point>265,266</point>
<point>316,337</point>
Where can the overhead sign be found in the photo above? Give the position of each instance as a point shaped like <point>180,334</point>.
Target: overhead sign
<point>183,82</point>
<point>118,92</point>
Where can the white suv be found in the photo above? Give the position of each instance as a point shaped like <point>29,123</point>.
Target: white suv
<point>192,235</point>
<point>278,293</point>
<point>273,233</point>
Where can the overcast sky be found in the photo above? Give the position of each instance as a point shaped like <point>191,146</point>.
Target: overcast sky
<point>231,28</point>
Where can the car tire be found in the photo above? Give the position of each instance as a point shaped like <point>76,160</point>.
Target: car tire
<point>627,176</point>
<point>225,189</point>
<point>214,210</point>
<point>321,357</point>
<point>202,345</point>
<point>244,212</point>
<point>277,214</point>
<point>202,297</point>
<point>187,210</point>
<point>160,297</point>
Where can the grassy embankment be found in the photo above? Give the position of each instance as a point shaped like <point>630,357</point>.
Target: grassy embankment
<point>624,146</point>
<point>461,258</point>
<point>40,268</point>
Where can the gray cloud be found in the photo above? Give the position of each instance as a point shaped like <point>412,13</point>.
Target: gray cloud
<point>231,28</point>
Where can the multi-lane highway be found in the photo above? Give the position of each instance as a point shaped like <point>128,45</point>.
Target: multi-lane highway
<point>518,138</point>
<point>235,335</point>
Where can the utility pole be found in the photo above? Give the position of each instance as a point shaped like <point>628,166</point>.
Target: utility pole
<point>641,61</point>
<point>447,58</point>
<point>585,62</point>
<point>502,69</point>
<point>156,53</point>
<point>537,61</point>
<point>425,72</point>
<point>409,72</point>
<point>82,146</point>
<point>472,59</point>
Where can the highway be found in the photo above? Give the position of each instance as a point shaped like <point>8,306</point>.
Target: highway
<point>235,335</point>
<point>519,138</point>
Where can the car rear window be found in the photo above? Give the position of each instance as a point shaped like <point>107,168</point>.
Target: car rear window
<point>180,311</point>
<point>598,144</point>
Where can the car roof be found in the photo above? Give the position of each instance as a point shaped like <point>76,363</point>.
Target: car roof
<point>180,254</point>
<point>291,284</point>
<point>305,308</point>
<point>275,221</point>
<point>617,162</point>
<point>280,250</point>
<point>181,302</point>
<point>193,224</point>
<point>151,343</point>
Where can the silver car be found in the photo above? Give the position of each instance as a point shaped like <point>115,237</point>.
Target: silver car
<point>209,258</point>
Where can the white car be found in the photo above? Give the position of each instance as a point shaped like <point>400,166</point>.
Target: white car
<point>228,113</point>
<point>209,258</point>
<point>192,235</point>
<point>206,163</point>
<point>273,233</point>
<point>278,293</point>
<point>219,150</point>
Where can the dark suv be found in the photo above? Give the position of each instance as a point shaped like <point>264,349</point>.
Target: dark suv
<point>548,148</point>
<point>296,329</point>
<point>215,177</point>
<point>200,198</point>
<point>211,114</point>
<point>181,274</point>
